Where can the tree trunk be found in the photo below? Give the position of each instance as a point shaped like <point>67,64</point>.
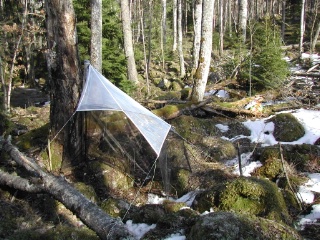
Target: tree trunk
<point>201,75</point>
<point>243,15</point>
<point>90,214</point>
<point>302,26</point>
<point>197,33</point>
<point>315,38</point>
<point>175,20</point>
<point>65,79</point>
<point>128,45</point>
<point>221,30</point>
<point>96,34</point>
<point>163,29</point>
<point>283,23</point>
<point>180,46</point>
<point>14,56</point>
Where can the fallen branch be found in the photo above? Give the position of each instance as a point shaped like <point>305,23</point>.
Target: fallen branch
<point>90,214</point>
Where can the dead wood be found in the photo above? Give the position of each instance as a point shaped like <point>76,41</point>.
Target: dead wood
<point>214,108</point>
<point>90,214</point>
<point>314,75</point>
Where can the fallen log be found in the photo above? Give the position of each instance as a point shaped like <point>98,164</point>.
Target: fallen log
<point>313,75</point>
<point>88,212</point>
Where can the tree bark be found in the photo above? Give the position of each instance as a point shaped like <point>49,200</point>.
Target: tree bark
<point>196,34</point>
<point>96,34</point>
<point>243,15</point>
<point>302,26</point>
<point>180,46</point>
<point>90,214</point>
<point>201,75</point>
<point>128,45</point>
<point>175,21</point>
<point>65,80</point>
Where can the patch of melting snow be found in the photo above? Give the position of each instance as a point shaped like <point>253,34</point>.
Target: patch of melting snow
<point>222,128</point>
<point>246,166</point>
<point>139,229</point>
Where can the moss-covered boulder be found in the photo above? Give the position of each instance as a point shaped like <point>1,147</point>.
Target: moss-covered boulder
<point>259,197</point>
<point>287,128</point>
<point>218,149</point>
<point>272,165</point>
<point>229,226</point>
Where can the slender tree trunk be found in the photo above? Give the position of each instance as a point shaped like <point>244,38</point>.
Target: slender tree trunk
<point>144,46</point>
<point>128,45</point>
<point>65,79</point>
<point>302,26</point>
<point>201,75</point>
<point>163,29</point>
<point>197,33</point>
<point>315,38</point>
<point>221,30</point>
<point>3,82</point>
<point>15,53</point>
<point>96,34</point>
<point>283,23</point>
<point>180,46</point>
<point>175,23</point>
<point>149,35</point>
<point>230,17</point>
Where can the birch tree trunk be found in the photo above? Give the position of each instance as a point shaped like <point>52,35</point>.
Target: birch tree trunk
<point>221,30</point>
<point>201,75</point>
<point>96,34</point>
<point>302,26</point>
<point>196,34</point>
<point>175,23</point>
<point>180,46</point>
<point>163,29</point>
<point>128,45</point>
<point>65,79</point>
<point>243,15</point>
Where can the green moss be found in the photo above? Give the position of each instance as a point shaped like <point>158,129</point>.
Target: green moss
<point>171,206</point>
<point>194,129</point>
<point>271,169</point>
<point>6,126</point>
<point>54,163</point>
<point>65,232</point>
<point>181,179</point>
<point>186,93</point>
<point>253,196</point>
<point>33,138</point>
<point>169,111</point>
<point>111,207</point>
<point>287,128</point>
<point>87,190</point>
